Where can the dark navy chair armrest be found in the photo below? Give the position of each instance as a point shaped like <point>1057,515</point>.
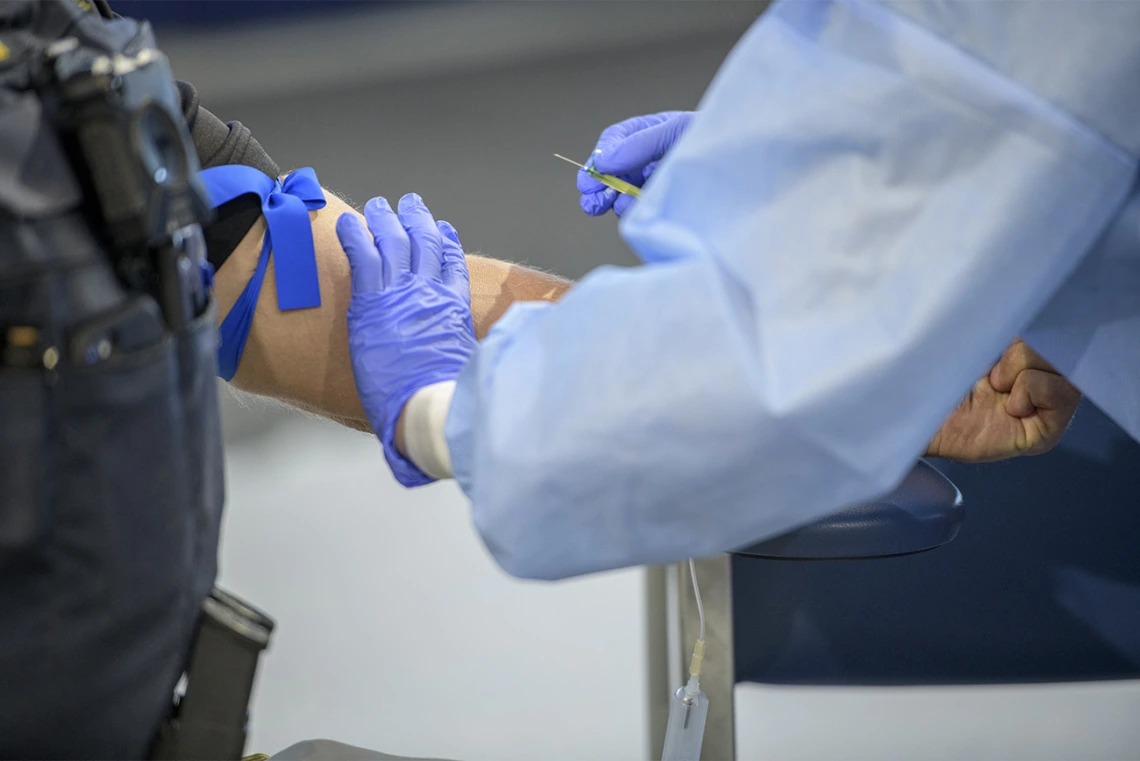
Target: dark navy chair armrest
<point>924,512</point>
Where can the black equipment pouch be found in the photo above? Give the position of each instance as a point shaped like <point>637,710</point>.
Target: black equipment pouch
<point>210,720</point>
<point>111,482</point>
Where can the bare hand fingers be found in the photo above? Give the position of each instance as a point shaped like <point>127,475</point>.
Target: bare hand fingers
<point>1016,359</point>
<point>1045,393</point>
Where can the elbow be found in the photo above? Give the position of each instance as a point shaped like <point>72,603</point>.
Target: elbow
<point>517,557</point>
<point>518,548</point>
<point>523,568</point>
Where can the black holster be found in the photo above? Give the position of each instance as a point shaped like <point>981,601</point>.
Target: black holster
<point>211,714</point>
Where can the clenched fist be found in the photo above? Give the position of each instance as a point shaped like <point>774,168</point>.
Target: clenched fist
<point>1022,406</point>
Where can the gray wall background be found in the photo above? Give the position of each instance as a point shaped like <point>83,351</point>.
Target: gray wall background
<point>477,143</point>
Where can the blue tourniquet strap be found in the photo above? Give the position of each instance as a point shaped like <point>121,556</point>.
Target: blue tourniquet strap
<point>289,236</point>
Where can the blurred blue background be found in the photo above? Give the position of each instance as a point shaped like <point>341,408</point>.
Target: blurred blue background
<point>178,15</point>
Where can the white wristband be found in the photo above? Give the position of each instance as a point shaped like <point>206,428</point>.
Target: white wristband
<point>425,416</point>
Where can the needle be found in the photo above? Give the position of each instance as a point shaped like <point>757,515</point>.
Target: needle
<point>608,180</point>
<point>572,161</point>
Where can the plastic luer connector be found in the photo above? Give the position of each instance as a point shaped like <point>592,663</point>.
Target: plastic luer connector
<point>687,713</point>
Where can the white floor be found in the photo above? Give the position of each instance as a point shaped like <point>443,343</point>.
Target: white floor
<point>1073,722</point>
<point>397,632</point>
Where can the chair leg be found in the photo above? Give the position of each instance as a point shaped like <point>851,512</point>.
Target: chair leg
<point>718,674</point>
<point>660,656</point>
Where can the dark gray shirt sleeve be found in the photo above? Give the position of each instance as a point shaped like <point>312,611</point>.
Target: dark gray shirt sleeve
<point>219,144</point>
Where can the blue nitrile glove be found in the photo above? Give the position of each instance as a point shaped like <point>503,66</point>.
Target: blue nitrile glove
<point>629,150</point>
<point>409,320</point>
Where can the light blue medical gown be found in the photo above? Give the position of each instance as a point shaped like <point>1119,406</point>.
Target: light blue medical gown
<point>873,201</point>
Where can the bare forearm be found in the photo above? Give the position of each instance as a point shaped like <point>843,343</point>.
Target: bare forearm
<point>301,357</point>
<point>495,285</point>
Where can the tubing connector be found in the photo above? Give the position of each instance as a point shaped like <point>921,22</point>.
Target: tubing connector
<point>698,658</point>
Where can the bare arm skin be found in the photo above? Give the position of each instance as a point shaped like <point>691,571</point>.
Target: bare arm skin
<point>301,357</point>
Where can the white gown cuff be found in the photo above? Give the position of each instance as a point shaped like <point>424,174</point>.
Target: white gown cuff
<point>424,419</point>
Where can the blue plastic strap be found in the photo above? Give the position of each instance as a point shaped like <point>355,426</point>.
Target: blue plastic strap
<point>289,236</point>
<point>235,328</point>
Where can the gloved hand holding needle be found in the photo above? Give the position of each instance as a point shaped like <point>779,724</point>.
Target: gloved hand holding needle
<point>629,150</point>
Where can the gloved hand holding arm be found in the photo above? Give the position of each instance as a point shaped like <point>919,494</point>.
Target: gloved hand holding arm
<point>409,323</point>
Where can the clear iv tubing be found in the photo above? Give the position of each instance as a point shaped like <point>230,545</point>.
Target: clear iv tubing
<point>689,706</point>
<point>697,594</point>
